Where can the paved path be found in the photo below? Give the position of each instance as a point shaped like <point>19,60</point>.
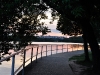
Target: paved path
<point>56,64</point>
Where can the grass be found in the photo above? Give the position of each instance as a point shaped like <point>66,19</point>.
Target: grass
<point>80,59</point>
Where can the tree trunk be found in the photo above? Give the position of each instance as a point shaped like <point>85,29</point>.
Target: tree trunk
<point>85,48</point>
<point>88,31</point>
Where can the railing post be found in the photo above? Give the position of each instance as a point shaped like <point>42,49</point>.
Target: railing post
<point>13,65</point>
<point>0,57</point>
<point>51,49</point>
<point>82,47</point>
<point>46,50</point>
<point>77,47</point>
<point>31,56</point>
<point>62,48</point>
<point>72,47</point>
<point>41,51</point>
<point>56,48</point>
<point>24,62</point>
<point>36,54</point>
<point>67,47</point>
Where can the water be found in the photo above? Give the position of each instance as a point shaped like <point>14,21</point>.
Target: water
<point>5,67</point>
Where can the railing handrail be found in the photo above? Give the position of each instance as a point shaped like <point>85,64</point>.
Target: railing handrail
<point>16,53</point>
<point>12,55</point>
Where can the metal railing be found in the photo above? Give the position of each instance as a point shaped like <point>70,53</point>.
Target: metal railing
<point>13,72</point>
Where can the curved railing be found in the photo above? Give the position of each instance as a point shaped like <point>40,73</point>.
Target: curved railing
<point>64,46</point>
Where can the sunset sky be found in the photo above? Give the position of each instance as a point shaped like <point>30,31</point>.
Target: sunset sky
<point>53,32</point>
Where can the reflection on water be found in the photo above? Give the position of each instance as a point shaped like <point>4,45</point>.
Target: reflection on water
<point>6,65</point>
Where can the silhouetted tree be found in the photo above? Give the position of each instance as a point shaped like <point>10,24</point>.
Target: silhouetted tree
<point>19,22</point>
<point>71,28</point>
<point>82,12</point>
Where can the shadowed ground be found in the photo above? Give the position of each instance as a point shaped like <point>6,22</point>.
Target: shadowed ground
<point>56,64</point>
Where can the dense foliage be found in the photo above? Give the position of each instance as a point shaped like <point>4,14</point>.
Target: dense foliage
<point>20,22</point>
<point>85,13</point>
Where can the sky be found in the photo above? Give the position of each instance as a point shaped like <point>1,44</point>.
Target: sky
<point>53,32</point>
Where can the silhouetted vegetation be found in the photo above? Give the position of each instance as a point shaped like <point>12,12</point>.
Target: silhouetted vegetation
<point>85,14</point>
<point>70,39</point>
<point>19,23</point>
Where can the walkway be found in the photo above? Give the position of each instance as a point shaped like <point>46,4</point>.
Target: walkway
<point>56,64</point>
